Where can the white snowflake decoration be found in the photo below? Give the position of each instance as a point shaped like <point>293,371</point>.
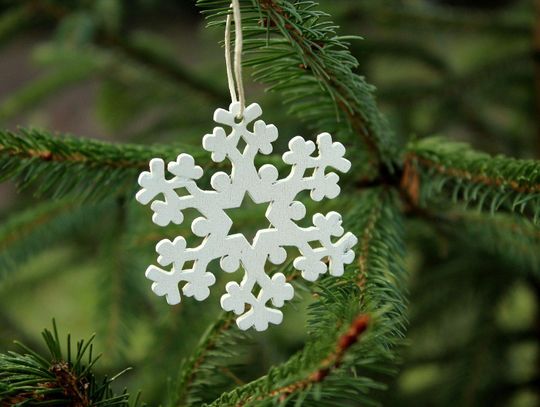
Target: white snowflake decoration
<point>263,186</point>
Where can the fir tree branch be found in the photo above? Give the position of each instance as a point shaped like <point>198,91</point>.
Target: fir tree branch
<point>13,21</point>
<point>327,366</point>
<point>400,16</point>
<point>338,318</point>
<point>364,244</point>
<point>220,344</point>
<point>514,66</point>
<point>295,50</point>
<point>120,291</point>
<point>67,165</point>
<point>58,379</point>
<point>212,339</point>
<point>44,87</point>
<point>88,169</point>
<point>29,232</point>
<point>399,48</point>
<point>139,52</point>
<point>381,280</point>
<point>435,168</point>
<point>510,238</point>
<point>147,54</point>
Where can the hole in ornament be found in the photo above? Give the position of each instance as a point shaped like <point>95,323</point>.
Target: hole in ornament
<point>248,218</point>
<point>309,172</point>
<point>238,119</point>
<point>188,265</point>
<point>283,171</point>
<point>241,146</point>
<point>315,244</point>
<point>225,277</point>
<point>214,266</point>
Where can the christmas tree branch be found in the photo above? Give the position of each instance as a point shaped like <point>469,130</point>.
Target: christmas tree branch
<point>136,51</point>
<point>361,112</point>
<point>328,365</point>
<point>29,232</point>
<point>13,21</point>
<point>85,168</point>
<point>64,164</point>
<point>513,66</point>
<point>401,16</point>
<point>364,244</point>
<point>148,55</point>
<point>333,368</point>
<point>510,238</point>
<point>211,339</point>
<point>295,50</point>
<point>197,377</point>
<point>435,168</point>
<point>337,320</point>
<point>44,87</point>
<point>381,280</point>
<point>119,293</point>
<point>58,379</point>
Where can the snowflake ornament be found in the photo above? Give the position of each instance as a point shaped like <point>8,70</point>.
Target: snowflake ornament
<point>256,307</point>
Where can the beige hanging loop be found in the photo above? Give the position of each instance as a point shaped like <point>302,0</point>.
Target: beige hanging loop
<point>234,76</point>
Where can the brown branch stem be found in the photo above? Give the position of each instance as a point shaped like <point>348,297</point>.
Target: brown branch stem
<point>492,181</point>
<point>47,155</point>
<point>327,365</point>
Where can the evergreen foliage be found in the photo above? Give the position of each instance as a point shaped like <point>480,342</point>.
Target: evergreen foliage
<point>55,164</point>
<point>63,378</point>
<point>441,304</point>
<point>474,178</point>
<point>514,240</point>
<point>310,65</point>
<point>26,233</point>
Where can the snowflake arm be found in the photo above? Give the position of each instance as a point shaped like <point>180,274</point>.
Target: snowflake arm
<point>238,296</point>
<point>311,262</point>
<point>154,183</point>
<point>285,210</point>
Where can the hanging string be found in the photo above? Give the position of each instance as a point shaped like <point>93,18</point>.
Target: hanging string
<point>234,76</point>
<point>230,76</point>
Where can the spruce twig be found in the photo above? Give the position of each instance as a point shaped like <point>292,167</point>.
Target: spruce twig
<point>137,52</point>
<point>436,168</point>
<point>58,379</point>
<point>88,169</point>
<point>330,354</point>
<point>295,50</point>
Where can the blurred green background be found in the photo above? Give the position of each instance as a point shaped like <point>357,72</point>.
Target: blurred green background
<point>148,71</point>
